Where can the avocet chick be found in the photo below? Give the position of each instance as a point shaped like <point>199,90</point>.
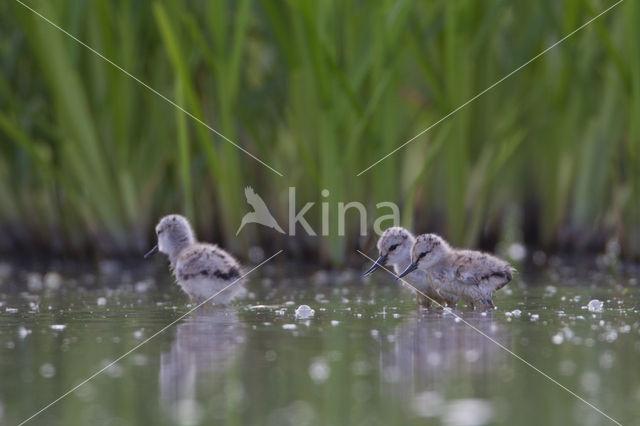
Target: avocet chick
<point>394,247</point>
<point>201,269</point>
<point>472,275</point>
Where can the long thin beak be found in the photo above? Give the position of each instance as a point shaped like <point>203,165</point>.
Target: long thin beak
<point>409,270</point>
<point>151,252</point>
<point>378,264</point>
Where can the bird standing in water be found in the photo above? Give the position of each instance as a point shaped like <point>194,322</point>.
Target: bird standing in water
<point>394,247</point>
<point>202,270</point>
<point>472,275</point>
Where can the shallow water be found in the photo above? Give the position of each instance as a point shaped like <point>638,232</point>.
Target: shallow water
<point>367,356</point>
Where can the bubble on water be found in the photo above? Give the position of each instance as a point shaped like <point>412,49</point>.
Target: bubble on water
<point>610,336</point>
<point>590,381</point>
<point>270,355</point>
<point>139,360</point>
<point>256,254</point>
<point>516,313</point>
<point>539,257</point>
<point>595,306</point>
<point>144,286</point>
<point>11,310</point>
<point>101,301</point>
<point>557,339</point>
<point>567,367</point>
<point>188,412</point>
<point>467,412</point>
<point>138,333</point>
<point>52,280</point>
<point>58,327</point>
<point>434,359</point>
<point>114,370</point>
<point>535,317</point>
<point>375,334</point>
<point>607,359</point>
<point>299,413</point>
<point>23,332</point>
<point>472,355</point>
<point>319,370</point>
<point>360,367</point>
<point>289,326</point>
<point>304,312</point>
<point>47,370</point>
<point>34,282</point>
<point>550,290</point>
<point>334,322</point>
<point>427,404</point>
<point>517,251</point>
<point>289,303</point>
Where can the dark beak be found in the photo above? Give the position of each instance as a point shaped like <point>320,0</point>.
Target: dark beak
<point>409,270</point>
<point>151,252</point>
<point>378,264</point>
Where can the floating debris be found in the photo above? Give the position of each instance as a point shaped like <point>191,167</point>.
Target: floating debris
<point>289,326</point>
<point>595,306</point>
<point>304,312</point>
<point>58,327</point>
<point>101,301</point>
<point>535,317</point>
<point>334,322</point>
<point>11,310</point>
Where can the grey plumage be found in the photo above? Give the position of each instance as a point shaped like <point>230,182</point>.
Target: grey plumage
<point>201,269</point>
<point>472,275</point>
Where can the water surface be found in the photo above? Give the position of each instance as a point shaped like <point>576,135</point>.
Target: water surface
<point>367,356</point>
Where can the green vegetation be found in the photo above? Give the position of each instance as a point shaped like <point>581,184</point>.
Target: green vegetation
<point>319,91</point>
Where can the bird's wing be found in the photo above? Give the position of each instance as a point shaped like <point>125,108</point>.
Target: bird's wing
<point>206,261</point>
<point>485,271</point>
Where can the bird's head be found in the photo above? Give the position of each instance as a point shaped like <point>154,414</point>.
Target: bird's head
<point>394,247</point>
<point>174,233</point>
<point>428,250</point>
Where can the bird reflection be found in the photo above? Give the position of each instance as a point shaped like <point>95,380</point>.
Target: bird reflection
<point>205,346</point>
<point>434,347</point>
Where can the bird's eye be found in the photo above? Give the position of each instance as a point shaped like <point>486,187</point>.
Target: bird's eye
<point>423,254</point>
<point>159,231</point>
<point>393,247</point>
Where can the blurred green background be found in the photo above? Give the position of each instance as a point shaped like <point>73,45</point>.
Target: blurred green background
<point>90,159</point>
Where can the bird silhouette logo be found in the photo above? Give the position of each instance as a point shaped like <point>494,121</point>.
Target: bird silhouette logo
<point>260,213</point>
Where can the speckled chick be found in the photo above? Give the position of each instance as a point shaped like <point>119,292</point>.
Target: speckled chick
<point>394,247</point>
<point>201,269</point>
<point>472,275</point>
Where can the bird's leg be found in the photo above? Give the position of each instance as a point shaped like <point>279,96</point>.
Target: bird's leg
<point>422,300</point>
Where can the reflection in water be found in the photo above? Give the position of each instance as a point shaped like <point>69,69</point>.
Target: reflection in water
<point>206,345</point>
<point>431,350</point>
